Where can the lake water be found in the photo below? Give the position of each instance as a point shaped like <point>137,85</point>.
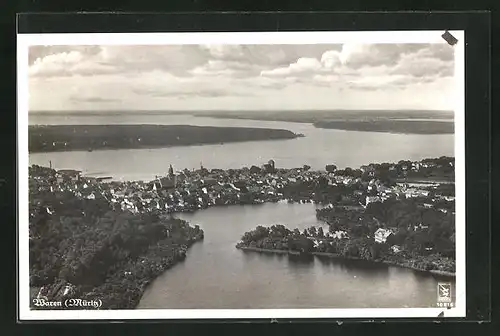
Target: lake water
<point>318,148</point>
<point>217,275</point>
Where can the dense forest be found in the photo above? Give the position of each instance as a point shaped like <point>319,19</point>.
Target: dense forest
<point>95,137</point>
<point>390,126</point>
<point>412,253</point>
<point>402,216</point>
<point>83,248</point>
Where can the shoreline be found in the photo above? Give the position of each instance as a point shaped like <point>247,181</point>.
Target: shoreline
<point>386,131</point>
<point>54,138</point>
<point>337,256</point>
<point>293,197</point>
<point>157,264</point>
<point>66,150</point>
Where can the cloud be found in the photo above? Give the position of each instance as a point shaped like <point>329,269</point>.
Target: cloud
<point>90,61</point>
<point>424,63</point>
<point>79,99</point>
<point>68,64</point>
<point>39,52</point>
<point>225,68</point>
<point>224,51</point>
<point>374,65</point>
<point>205,93</point>
<point>302,66</point>
<point>238,76</point>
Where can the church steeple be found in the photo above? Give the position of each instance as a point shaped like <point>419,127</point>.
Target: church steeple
<point>171,171</point>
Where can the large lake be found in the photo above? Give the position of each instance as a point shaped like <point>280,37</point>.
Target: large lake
<point>217,275</point>
<point>318,148</point>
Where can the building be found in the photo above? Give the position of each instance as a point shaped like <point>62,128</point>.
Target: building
<point>330,168</point>
<point>372,199</point>
<point>381,235</point>
<point>339,235</point>
<point>168,182</point>
<point>209,181</point>
<point>68,174</point>
<point>396,248</point>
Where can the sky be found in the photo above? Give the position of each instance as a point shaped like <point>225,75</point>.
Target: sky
<point>241,77</point>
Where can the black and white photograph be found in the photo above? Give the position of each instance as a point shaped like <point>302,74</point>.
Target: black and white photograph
<point>250,175</point>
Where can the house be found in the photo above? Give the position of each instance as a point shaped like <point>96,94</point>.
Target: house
<point>381,235</point>
<point>420,227</point>
<point>396,248</point>
<point>156,185</point>
<point>330,168</point>
<point>372,199</point>
<point>68,174</point>
<point>240,184</point>
<point>367,169</point>
<point>268,168</point>
<point>255,170</point>
<point>413,192</point>
<point>209,181</point>
<point>339,234</point>
<point>168,182</point>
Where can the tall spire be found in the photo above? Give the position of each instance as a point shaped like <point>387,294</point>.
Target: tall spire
<point>171,171</point>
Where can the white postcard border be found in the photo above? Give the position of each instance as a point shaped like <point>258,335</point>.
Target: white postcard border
<point>415,36</point>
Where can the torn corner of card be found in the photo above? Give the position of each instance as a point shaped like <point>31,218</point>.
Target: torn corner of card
<point>449,38</point>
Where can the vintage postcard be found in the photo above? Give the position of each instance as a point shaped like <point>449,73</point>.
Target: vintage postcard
<point>241,175</point>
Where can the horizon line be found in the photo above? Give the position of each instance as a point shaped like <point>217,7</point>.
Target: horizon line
<point>246,110</point>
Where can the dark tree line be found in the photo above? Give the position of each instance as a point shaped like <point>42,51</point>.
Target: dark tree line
<point>87,245</point>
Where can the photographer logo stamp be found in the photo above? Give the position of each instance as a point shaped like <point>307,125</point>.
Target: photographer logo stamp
<point>444,298</point>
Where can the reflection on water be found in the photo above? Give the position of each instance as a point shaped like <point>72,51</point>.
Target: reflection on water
<point>216,275</point>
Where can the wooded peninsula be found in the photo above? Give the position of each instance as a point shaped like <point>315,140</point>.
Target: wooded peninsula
<point>100,137</point>
<point>390,126</point>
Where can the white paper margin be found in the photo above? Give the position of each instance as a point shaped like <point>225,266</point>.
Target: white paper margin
<point>414,36</point>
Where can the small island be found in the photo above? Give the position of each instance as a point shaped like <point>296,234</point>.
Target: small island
<point>55,138</point>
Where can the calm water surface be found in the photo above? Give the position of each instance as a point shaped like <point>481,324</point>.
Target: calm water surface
<point>217,275</point>
<point>318,148</point>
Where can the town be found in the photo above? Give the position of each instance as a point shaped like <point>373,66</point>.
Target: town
<point>76,220</point>
<point>190,190</point>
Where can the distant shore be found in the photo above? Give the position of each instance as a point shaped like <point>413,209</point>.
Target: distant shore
<point>55,138</point>
<point>337,256</point>
<point>390,126</point>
